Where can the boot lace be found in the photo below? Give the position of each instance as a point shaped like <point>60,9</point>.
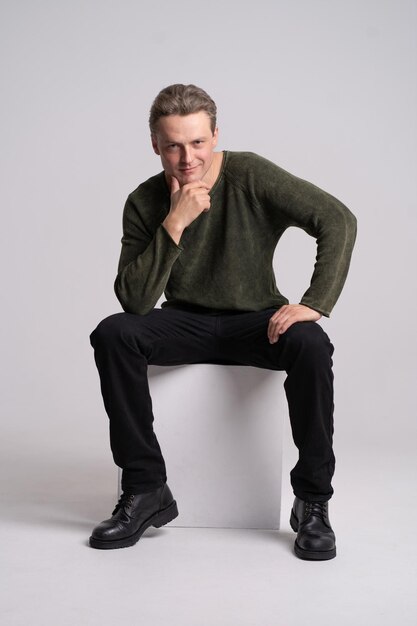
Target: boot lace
<point>125,499</point>
<point>318,509</point>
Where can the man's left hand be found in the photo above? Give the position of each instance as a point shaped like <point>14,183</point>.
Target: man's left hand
<point>286,316</point>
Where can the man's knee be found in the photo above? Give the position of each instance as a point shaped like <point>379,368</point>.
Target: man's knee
<point>111,329</point>
<point>310,338</point>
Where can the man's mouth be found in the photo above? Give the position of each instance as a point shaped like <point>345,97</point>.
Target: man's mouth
<point>187,170</point>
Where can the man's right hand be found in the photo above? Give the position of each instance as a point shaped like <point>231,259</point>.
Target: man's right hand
<point>187,203</point>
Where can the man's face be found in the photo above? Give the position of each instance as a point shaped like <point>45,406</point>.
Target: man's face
<point>185,144</point>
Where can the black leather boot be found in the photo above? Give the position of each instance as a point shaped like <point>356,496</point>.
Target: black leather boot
<point>315,539</point>
<point>132,516</point>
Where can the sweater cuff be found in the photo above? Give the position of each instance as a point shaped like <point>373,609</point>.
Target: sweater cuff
<point>169,238</point>
<point>316,308</point>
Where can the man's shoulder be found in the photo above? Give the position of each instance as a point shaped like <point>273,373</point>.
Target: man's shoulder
<point>251,166</point>
<point>148,202</point>
<point>242,158</point>
<point>155,186</point>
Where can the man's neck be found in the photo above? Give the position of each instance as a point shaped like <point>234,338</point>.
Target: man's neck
<point>213,172</point>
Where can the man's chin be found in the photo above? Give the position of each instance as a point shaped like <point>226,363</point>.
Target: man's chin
<point>184,178</point>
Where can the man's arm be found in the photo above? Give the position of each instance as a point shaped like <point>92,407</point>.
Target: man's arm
<point>296,202</point>
<point>147,258</point>
<point>144,266</point>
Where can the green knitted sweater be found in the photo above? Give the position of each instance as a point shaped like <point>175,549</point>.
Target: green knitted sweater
<point>224,258</point>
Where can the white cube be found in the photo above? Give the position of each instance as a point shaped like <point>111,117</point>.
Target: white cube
<point>220,430</point>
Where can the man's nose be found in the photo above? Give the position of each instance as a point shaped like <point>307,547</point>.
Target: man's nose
<point>186,155</point>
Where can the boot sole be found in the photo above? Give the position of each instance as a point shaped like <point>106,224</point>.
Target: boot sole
<point>157,520</point>
<point>309,555</point>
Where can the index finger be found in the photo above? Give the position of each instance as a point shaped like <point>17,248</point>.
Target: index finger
<point>196,184</point>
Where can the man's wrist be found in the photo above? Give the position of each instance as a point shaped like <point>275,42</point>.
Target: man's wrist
<point>173,229</point>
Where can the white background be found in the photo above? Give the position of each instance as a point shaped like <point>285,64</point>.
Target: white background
<point>326,89</point>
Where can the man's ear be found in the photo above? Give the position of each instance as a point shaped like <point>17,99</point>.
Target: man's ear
<point>215,137</point>
<point>155,144</point>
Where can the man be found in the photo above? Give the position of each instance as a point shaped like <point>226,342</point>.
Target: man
<point>203,232</point>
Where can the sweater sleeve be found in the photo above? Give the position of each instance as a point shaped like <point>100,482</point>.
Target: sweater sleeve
<point>334,228</point>
<point>146,259</point>
<point>297,202</point>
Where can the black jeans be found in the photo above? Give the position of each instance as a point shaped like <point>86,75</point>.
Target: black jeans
<point>125,344</point>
